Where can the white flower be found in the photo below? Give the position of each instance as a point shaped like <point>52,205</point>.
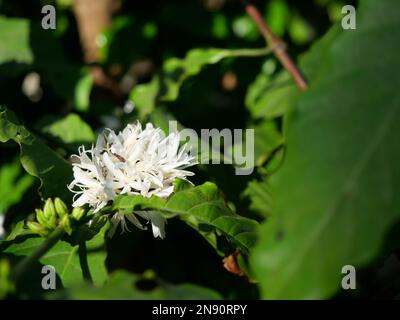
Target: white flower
<point>2,231</point>
<point>134,161</point>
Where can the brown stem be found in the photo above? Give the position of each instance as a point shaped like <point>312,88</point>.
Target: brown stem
<point>93,16</point>
<point>277,45</point>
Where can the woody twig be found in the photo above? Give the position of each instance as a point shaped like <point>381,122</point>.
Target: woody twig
<point>277,45</point>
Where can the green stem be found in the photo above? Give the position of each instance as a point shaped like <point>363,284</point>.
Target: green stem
<point>84,263</point>
<point>27,262</point>
<point>251,52</point>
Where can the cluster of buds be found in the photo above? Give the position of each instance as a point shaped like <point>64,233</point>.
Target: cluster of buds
<point>54,214</point>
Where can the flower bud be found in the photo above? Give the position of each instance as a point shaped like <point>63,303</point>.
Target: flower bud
<point>49,209</point>
<point>60,207</point>
<point>40,217</point>
<point>66,224</point>
<point>78,213</point>
<point>37,228</point>
<point>50,214</point>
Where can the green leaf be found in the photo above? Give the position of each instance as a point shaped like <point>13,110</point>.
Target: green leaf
<point>259,194</point>
<point>165,86</point>
<point>335,196</point>
<point>53,65</point>
<point>13,184</point>
<point>115,42</point>
<point>220,26</point>
<point>162,118</point>
<point>130,203</point>
<point>300,31</point>
<point>270,98</point>
<point>17,231</point>
<point>204,209</point>
<point>207,212</point>
<point>123,286</point>
<point>72,130</point>
<point>267,139</point>
<point>36,158</point>
<point>66,260</point>
<point>82,92</point>
<point>14,35</point>
<point>27,49</point>
<point>145,96</point>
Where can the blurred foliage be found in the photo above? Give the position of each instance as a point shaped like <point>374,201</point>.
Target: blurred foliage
<point>126,286</point>
<point>13,184</point>
<point>336,211</point>
<point>324,183</point>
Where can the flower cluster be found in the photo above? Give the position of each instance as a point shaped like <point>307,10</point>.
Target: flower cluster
<point>135,161</point>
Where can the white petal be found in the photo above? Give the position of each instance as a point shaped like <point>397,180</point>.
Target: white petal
<point>157,222</point>
<point>2,231</point>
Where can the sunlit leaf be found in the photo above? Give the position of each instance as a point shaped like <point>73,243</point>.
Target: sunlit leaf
<point>204,209</point>
<point>72,130</point>
<point>15,33</point>
<point>37,158</point>
<point>259,194</point>
<point>82,92</point>
<point>13,184</point>
<point>270,98</point>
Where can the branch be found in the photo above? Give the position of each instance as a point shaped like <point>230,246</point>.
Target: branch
<point>277,45</point>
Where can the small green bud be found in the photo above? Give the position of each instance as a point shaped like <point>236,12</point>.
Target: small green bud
<point>40,217</point>
<point>66,224</point>
<point>49,209</point>
<point>78,213</point>
<point>37,228</point>
<point>50,214</point>
<point>61,208</point>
